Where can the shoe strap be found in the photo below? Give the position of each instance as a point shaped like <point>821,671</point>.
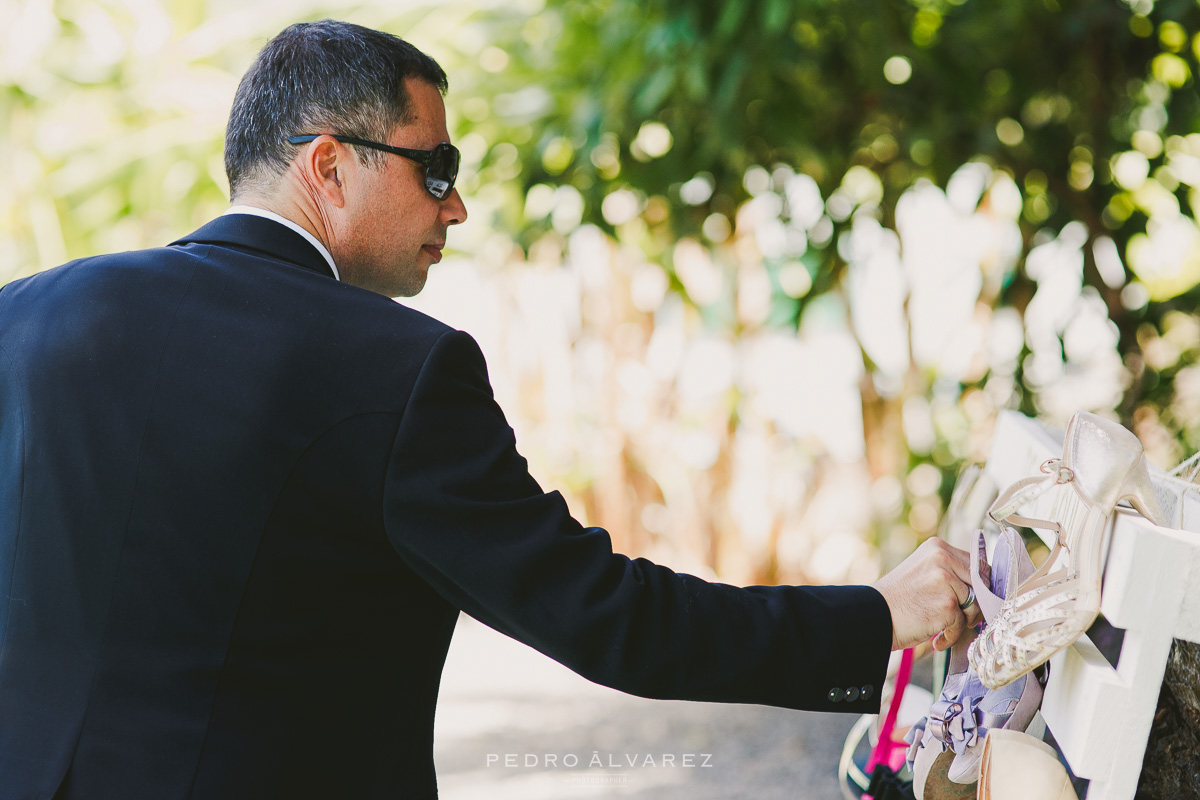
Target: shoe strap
<point>1025,491</point>
<point>989,602</point>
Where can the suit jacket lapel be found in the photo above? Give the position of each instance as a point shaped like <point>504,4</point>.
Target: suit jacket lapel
<point>262,235</point>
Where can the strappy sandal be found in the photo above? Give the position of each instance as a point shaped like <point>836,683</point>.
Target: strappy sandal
<point>1104,464</point>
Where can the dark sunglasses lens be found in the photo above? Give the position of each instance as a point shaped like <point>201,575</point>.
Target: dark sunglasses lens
<point>442,170</point>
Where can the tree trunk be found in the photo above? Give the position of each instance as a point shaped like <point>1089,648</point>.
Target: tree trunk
<point>1171,768</point>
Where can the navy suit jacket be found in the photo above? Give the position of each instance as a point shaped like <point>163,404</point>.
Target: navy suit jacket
<point>241,507</point>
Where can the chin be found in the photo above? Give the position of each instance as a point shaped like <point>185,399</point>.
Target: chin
<point>397,285</point>
<point>408,289</point>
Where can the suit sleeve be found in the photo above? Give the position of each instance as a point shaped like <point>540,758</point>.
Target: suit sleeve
<point>462,510</point>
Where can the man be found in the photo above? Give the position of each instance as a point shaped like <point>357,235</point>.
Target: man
<point>245,495</point>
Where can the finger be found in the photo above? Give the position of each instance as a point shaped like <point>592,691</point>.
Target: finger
<point>961,557</point>
<point>974,614</point>
<point>948,637</point>
<point>960,563</point>
<point>958,624</point>
<point>945,640</point>
<point>967,603</point>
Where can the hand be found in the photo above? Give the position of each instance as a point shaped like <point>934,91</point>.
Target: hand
<point>924,593</point>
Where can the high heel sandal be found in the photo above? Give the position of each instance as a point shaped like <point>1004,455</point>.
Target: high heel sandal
<point>1104,463</point>
<point>946,752</point>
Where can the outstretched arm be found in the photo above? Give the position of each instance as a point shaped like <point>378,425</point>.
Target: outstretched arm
<point>462,510</point>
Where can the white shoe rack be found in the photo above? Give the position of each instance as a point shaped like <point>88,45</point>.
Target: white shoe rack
<point>1101,716</point>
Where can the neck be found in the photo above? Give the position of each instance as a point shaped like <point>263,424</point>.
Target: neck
<point>295,206</point>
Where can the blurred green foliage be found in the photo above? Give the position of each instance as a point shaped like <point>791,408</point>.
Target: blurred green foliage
<point>1050,92</point>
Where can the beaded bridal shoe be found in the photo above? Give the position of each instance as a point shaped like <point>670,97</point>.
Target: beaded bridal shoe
<point>1103,463</point>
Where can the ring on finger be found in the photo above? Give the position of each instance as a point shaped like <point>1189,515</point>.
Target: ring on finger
<point>965,604</point>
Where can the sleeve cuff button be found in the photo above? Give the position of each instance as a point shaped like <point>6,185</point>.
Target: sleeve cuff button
<point>852,694</point>
<point>867,691</point>
<point>836,695</point>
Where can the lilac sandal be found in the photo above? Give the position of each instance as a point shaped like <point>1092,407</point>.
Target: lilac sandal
<point>1015,705</point>
<point>946,748</point>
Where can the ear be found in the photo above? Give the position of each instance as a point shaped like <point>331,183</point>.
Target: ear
<point>322,163</point>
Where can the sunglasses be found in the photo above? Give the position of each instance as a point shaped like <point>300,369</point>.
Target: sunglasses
<point>441,163</point>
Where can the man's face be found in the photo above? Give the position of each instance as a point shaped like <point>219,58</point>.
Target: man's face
<point>393,229</point>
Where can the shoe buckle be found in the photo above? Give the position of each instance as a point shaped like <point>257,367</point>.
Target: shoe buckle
<point>1054,466</point>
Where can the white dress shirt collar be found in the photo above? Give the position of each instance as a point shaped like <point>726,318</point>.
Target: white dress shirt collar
<point>314,241</point>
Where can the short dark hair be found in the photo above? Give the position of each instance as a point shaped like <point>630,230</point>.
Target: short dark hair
<point>320,77</point>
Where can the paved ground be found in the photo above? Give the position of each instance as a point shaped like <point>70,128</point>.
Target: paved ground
<point>512,724</point>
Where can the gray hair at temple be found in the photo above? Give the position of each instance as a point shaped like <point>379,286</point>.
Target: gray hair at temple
<point>320,77</point>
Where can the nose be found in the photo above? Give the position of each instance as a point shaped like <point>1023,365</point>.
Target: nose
<point>453,210</point>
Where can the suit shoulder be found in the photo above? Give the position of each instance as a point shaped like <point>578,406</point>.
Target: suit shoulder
<point>384,319</point>
<point>98,267</point>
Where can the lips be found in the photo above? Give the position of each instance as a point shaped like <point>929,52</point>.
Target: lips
<point>434,250</point>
